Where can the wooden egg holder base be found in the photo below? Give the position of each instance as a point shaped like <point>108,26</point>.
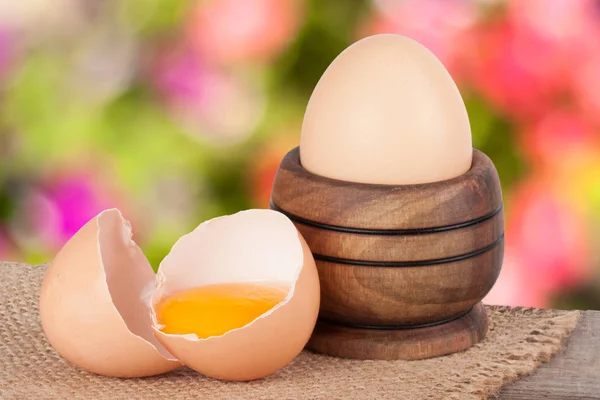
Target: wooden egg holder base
<point>404,343</point>
<point>403,269</point>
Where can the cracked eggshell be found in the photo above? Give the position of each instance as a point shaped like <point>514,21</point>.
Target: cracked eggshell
<point>92,304</point>
<point>250,246</point>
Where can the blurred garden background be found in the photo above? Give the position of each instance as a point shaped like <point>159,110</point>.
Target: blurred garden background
<point>177,111</point>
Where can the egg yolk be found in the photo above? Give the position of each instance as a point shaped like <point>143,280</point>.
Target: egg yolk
<point>213,310</point>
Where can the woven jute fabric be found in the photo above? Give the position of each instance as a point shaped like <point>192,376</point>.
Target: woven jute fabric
<point>517,342</point>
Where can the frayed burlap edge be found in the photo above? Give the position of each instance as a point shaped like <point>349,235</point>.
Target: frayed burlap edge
<point>550,334</point>
<point>518,341</point>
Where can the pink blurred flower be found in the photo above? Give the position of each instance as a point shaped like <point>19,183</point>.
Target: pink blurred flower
<point>513,289</point>
<point>49,216</point>
<point>569,25</point>
<point>179,75</point>
<point>557,137</point>
<point>439,25</point>
<point>6,52</point>
<point>549,238</point>
<point>504,68</point>
<point>568,33</point>
<point>586,85</point>
<point>208,101</point>
<point>230,31</point>
<point>524,62</point>
<point>77,199</point>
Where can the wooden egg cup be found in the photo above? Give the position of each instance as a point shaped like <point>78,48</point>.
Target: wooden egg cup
<point>403,269</point>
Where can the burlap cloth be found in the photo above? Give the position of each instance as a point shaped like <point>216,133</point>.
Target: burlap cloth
<point>517,342</point>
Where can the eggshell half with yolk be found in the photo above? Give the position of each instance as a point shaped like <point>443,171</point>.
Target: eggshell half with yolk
<point>250,246</point>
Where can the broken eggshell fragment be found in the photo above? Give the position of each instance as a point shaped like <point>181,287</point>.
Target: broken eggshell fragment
<point>91,305</point>
<point>250,246</point>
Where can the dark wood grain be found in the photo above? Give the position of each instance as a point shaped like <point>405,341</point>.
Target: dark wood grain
<point>406,295</point>
<point>573,374</point>
<point>465,198</point>
<point>409,344</point>
<point>398,256</point>
<point>417,247</point>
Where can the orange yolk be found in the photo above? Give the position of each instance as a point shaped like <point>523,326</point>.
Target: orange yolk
<point>213,310</point>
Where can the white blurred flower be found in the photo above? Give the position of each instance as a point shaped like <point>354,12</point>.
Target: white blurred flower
<point>172,202</point>
<point>231,111</point>
<point>42,19</point>
<point>209,102</point>
<point>104,64</point>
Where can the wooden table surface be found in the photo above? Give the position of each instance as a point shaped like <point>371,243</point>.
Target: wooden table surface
<point>572,374</point>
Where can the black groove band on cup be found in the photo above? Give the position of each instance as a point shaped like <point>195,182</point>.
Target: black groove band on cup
<point>384,232</point>
<point>408,264</point>
<point>397,327</point>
